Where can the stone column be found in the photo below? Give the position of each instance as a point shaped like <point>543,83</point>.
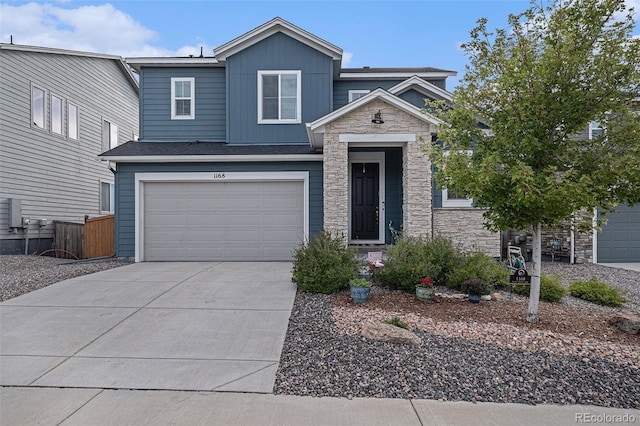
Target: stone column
<point>416,181</point>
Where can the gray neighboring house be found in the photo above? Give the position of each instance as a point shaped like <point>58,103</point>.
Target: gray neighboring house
<point>59,110</point>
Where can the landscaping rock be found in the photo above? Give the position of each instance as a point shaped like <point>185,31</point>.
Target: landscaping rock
<point>389,333</point>
<point>497,297</point>
<point>626,321</point>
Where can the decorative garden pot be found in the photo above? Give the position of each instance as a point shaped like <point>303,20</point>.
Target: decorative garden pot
<point>425,293</point>
<point>474,298</point>
<point>360,294</point>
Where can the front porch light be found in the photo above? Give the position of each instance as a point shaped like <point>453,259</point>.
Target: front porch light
<point>377,118</point>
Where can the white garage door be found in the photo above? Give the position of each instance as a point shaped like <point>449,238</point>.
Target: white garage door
<point>222,220</point>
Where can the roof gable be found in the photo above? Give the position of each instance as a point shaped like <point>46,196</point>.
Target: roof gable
<point>272,27</point>
<point>315,129</point>
<point>48,50</point>
<point>424,87</point>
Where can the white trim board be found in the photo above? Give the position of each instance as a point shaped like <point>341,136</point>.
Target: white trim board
<point>218,176</point>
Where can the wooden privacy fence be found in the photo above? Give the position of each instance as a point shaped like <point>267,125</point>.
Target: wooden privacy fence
<point>93,238</point>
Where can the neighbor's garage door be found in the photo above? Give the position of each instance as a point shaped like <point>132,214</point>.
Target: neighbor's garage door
<point>619,240</point>
<point>222,220</point>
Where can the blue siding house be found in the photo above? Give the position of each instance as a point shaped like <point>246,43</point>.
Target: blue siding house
<point>244,154</point>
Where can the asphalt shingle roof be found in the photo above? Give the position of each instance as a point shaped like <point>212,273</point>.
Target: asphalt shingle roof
<point>135,149</point>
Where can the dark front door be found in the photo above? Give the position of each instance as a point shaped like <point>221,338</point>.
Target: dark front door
<point>365,180</point>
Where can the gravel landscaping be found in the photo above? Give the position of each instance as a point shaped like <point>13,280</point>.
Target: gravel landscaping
<point>21,274</point>
<point>468,352</point>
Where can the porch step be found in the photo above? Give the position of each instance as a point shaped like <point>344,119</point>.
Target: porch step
<point>366,248</point>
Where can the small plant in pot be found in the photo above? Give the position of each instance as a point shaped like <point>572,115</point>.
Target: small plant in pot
<point>425,290</point>
<point>475,288</point>
<point>360,289</point>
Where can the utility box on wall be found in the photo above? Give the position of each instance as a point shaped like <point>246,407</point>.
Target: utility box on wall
<point>15,213</point>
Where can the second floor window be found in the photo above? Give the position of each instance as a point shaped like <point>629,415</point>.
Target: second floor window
<point>279,100</point>
<point>72,121</point>
<point>183,98</point>
<point>355,94</point>
<point>56,114</point>
<point>37,107</point>
<point>109,135</point>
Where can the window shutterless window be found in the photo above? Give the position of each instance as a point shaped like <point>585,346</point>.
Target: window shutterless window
<point>72,121</point>
<point>355,94</point>
<point>56,114</point>
<point>279,97</point>
<point>453,198</point>
<point>107,194</point>
<point>37,107</point>
<point>183,98</point>
<point>595,130</point>
<point>109,135</point>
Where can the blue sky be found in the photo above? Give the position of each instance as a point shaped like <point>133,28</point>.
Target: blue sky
<point>373,33</point>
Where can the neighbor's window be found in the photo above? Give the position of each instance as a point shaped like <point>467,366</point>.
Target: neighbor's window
<point>72,121</point>
<point>56,114</point>
<point>106,197</point>
<point>109,135</point>
<point>183,98</point>
<point>37,107</point>
<point>355,94</point>
<point>595,130</point>
<point>279,100</point>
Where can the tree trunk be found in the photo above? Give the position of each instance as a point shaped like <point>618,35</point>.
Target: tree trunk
<point>536,258</point>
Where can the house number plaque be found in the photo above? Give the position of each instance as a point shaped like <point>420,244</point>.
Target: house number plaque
<point>219,175</point>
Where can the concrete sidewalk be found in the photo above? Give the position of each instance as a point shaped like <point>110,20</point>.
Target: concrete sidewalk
<point>46,406</point>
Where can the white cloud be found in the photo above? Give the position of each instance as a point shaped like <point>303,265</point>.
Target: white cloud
<point>99,29</point>
<point>346,59</point>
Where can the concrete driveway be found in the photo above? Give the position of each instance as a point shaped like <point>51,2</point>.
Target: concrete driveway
<point>165,326</point>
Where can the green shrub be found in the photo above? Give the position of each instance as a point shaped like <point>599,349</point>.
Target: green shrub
<point>359,282</point>
<point>414,258</point>
<point>479,265</point>
<point>597,292</point>
<point>551,289</point>
<point>325,264</point>
<point>395,321</point>
<point>476,287</point>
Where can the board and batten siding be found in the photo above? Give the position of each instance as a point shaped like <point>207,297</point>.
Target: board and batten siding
<point>55,177</point>
<point>210,103</point>
<point>277,52</point>
<point>125,191</point>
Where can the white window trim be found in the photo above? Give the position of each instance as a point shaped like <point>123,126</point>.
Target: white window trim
<point>62,114</point>
<point>592,128</point>
<point>213,177</point>
<point>111,197</point>
<point>44,108</point>
<point>69,121</point>
<point>456,202</point>
<point>192,98</point>
<point>357,92</point>
<point>298,75</point>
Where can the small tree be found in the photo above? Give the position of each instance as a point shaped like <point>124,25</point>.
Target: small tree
<point>533,88</point>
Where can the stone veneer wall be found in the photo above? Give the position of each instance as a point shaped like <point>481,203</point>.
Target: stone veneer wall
<point>416,178</point>
<point>464,226</point>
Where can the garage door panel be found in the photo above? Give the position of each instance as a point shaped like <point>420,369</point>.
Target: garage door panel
<point>283,220</point>
<point>205,220</point>
<point>244,220</point>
